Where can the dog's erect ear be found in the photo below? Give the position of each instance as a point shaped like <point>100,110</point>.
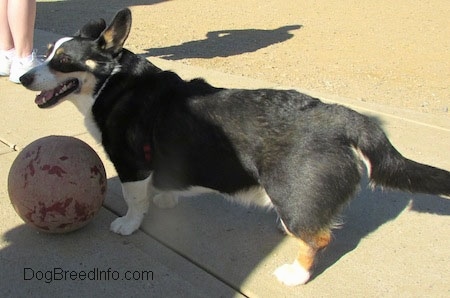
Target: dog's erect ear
<point>92,30</point>
<point>113,38</point>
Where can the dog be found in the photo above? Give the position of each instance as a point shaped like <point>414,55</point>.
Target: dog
<point>279,149</point>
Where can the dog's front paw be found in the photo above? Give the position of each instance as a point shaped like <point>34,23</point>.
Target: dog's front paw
<point>125,225</point>
<point>165,200</point>
<point>292,274</point>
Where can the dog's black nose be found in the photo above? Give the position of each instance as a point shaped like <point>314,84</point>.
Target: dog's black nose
<point>26,79</point>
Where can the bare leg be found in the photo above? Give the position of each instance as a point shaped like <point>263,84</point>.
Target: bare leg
<point>21,19</point>
<point>6,39</point>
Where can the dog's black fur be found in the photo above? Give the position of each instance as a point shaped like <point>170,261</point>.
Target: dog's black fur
<point>303,152</point>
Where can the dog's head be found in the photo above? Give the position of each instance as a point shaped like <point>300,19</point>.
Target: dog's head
<point>76,67</point>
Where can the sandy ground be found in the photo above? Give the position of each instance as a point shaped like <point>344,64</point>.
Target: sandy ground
<point>389,52</point>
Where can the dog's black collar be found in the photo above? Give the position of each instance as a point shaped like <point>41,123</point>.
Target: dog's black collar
<point>106,81</point>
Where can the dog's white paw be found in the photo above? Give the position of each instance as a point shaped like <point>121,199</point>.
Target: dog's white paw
<point>125,225</point>
<point>165,200</point>
<point>292,274</point>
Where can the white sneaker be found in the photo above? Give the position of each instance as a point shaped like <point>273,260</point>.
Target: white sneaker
<point>5,63</point>
<point>20,66</point>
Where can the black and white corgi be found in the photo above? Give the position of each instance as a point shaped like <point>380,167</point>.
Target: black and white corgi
<point>275,148</point>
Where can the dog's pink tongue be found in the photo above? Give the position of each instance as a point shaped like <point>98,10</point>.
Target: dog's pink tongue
<point>44,96</point>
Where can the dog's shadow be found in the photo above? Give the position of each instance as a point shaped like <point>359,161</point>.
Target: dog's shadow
<point>368,211</point>
<point>224,43</point>
<point>230,241</point>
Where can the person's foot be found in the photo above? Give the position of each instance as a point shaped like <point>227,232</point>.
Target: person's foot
<point>20,66</point>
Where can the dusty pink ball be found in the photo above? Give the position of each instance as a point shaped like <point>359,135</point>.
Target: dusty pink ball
<point>57,184</point>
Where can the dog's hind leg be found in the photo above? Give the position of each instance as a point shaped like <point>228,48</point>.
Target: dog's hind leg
<point>137,198</point>
<point>299,272</point>
<point>165,200</point>
<point>308,198</point>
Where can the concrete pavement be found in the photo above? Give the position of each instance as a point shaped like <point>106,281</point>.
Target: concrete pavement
<point>392,243</point>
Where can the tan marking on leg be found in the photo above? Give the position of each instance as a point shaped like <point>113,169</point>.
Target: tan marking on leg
<point>307,252</point>
<point>299,272</point>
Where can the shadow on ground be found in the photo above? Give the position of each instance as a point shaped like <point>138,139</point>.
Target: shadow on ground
<point>230,241</point>
<point>224,239</point>
<point>221,43</point>
<point>368,211</point>
<point>63,17</point>
<point>225,43</point>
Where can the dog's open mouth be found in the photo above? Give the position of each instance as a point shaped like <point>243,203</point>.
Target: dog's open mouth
<point>48,98</point>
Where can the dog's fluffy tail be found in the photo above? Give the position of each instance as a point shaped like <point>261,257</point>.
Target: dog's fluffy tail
<point>388,167</point>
